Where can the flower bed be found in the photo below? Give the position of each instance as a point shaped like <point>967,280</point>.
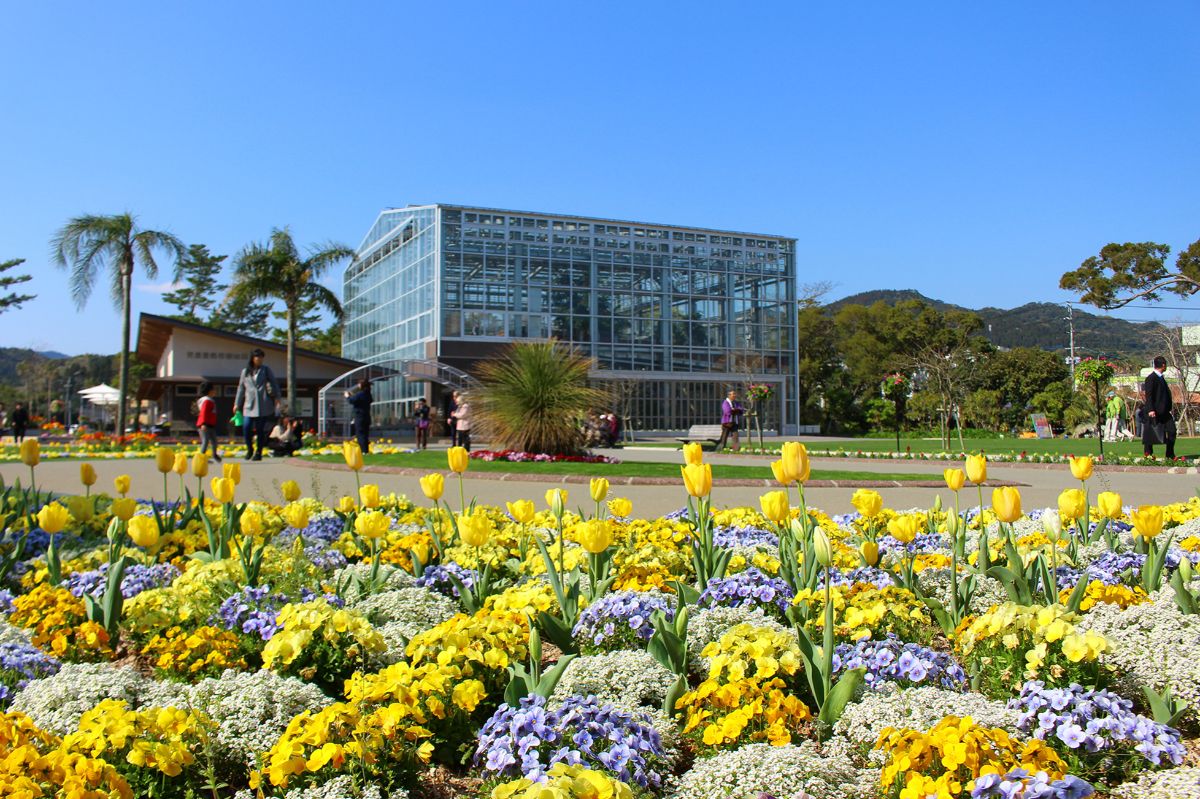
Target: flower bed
<point>513,456</point>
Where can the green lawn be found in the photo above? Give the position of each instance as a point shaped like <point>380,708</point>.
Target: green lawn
<point>1007,446</point>
<point>437,460</point>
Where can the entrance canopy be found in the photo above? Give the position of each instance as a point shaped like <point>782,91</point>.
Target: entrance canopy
<point>102,394</point>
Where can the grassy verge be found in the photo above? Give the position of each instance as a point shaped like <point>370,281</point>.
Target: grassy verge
<point>996,446</point>
<point>437,460</point>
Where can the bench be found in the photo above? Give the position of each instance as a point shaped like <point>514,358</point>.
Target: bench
<point>703,434</point>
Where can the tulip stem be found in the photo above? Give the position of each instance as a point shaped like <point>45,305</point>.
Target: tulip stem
<point>462,496</point>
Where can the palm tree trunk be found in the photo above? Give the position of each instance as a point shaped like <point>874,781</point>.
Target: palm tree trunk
<point>293,404</point>
<point>126,311</point>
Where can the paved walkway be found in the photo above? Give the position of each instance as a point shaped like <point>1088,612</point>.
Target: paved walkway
<point>1039,485</point>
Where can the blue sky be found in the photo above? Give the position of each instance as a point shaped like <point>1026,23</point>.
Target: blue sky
<point>973,152</point>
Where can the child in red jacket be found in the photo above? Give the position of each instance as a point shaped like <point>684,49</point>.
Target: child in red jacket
<point>206,419</point>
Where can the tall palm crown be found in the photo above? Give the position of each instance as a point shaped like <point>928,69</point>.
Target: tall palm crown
<point>276,271</point>
<point>88,245</point>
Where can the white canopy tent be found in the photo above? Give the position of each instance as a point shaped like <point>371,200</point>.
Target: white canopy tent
<point>104,397</point>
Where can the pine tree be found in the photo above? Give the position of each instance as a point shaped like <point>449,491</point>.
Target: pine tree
<point>12,300</point>
<point>308,323</point>
<point>240,314</point>
<point>200,272</point>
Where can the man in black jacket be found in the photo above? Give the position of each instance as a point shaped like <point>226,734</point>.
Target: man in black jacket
<point>1160,424</point>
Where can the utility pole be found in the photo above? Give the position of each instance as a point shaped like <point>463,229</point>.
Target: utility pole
<point>1071,325</point>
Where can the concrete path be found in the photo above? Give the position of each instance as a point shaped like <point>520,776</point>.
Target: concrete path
<point>1039,485</point>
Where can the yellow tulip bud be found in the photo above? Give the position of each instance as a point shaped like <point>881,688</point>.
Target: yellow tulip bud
<point>474,529</point>
<point>200,465</point>
<point>121,483</point>
<point>352,453</point>
<point>693,454</point>
<point>869,503</point>
<point>458,458</point>
<point>1147,520</point>
<point>775,506</point>
<point>1185,570</point>
<point>124,508</point>
<point>1006,504</point>
<point>595,535</point>
<point>372,524</point>
<point>870,552</point>
<point>143,531</point>
<point>904,528</point>
<point>53,518</point>
<point>290,490</point>
<point>251,523</point>
<point>1072,504</point>
<point>779,469</point>
<point>347,505</point>
<point>822,548</point>
<point>1081,467</point>
<point>232,472</point>
<point>164,459</point>
<point>296,515</point>
<point>697,479</point>
<point>31,454</point>
<point>937,504</point>
<point>222,489</point>
<point>433,485</point>
<point>556,500</point>
<point>82,508</point>
<point>976,469</point>
<point>620,507</point>
<point>87,474</point>
<point>1052,524</point>
<point>954,478</point>
<point>795,461</point>
<point>180,466</point>
<point>1109,505</point>
<point>368,495</point>
<point>599,489</point>
<point>522,510</point>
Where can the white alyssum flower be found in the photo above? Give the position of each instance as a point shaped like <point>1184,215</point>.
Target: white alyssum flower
<point>341,787</point>
<point>807,771</point>
<point>416,609</point>
<point>56,703</point>
<point>935,583</point>
<point>1175,783</point>
<point>393,577</point>
<point>630,679</point>
<point>12,634</point>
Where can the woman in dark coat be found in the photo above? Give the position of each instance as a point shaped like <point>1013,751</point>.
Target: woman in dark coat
<point>361,401</point>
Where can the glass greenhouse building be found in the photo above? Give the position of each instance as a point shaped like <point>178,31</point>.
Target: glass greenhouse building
<point>673,316</point>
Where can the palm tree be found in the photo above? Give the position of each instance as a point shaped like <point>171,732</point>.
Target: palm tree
<point>535,398</point>
<point>88,244</point>
<point>276,271</point>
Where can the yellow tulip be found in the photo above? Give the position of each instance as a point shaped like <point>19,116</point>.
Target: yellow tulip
<point>1081,467</point>
<point>1006,504</point>
<point>180,466</point>
<point>372,524</point>
<point>595,535</point>
<point>904,528</point>
<point>352,453</point>
<point>53,518</point>
<point>290,490</point>
<point>200,465</point>
<point>82,508</point>
<point>458,458</point>
<point>1147,520</point>
<point>296,515</point>
<point>556,500</point>
<point>121,483</point>
<point>822,548</point>
<point>779,469</point>
<point>775,506</point>
<point>232,472</point>
<point>87,474</point>
<point>30,452</point>
<point>251,523</point>
<point>124,508</point>
<point>164,459</point>
<point>693,454</point>
<point>222,489</point>
<point>1109,505</point>
<point>1072,504</point>
<point>368,495</point>
<point>869,503</point>
<point>870,552</point>
<point>433,485</point>
<point>599,489</point>
<point>697,478</point>
<point>620,506</point>
<point>522,510</point>
<point>475,529</point>
<point>954,478</point>
<point>347,505</point>
<point>976,468</point>
<point>143,530</point>
<point>795,461</point>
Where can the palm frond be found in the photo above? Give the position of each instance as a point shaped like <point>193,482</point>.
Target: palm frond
<point>146,241</point>
<point>326,256</point>
<point>324,297</point>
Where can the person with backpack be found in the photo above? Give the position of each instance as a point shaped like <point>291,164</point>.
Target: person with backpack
<point>257,400</point>
<point>361,401</point>
<point>421,423</point>
<point>206,419</point>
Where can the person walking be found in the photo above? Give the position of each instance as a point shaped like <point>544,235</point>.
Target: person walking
<point>731,418</point>
<point>206,419</point>
<point>462,419</point>
<point>421,423</point>
<point>451,420</point>
<point>20,421</point>
<point>361,401</point>
<point>1113,410</point>
<point>1160,423</point>
<point>257,399</point>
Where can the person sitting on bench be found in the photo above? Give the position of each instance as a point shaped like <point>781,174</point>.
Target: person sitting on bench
<point>286,437</point>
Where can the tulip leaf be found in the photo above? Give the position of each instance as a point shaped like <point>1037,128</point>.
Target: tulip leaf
<point>841,694</point>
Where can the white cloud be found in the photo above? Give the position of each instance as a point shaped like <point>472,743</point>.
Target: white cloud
<point>158,288</point>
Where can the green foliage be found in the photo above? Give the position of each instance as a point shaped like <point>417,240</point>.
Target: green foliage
<point>7,281</point>
<point>199,273</point>
<point>242,314</point>
<point>1122,273</point>
<point>533,398</point>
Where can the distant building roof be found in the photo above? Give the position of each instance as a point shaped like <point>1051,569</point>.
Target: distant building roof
<point>155,331</point>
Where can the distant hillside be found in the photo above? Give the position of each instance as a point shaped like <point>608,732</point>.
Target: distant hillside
<point>11,356</point>
<point>1036,324</point>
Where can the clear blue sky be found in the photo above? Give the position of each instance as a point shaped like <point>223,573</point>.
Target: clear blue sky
<point>971,151</point>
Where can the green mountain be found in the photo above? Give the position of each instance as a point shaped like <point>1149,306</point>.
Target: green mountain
<point>1039,324</point>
